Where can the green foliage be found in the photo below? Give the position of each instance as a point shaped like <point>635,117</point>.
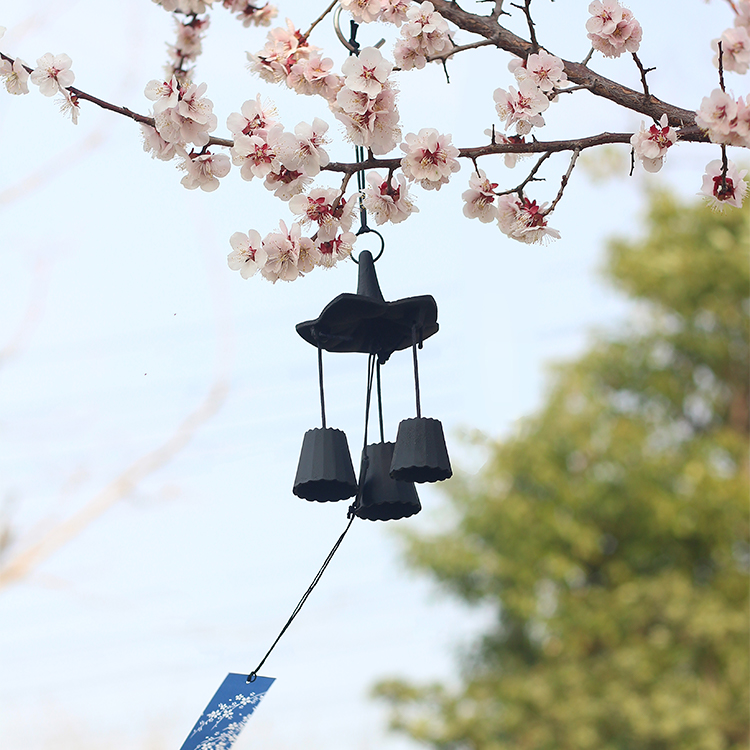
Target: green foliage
<point>610,533</point>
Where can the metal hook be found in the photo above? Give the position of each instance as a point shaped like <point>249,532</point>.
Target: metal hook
<point>340,34</point>
<point>367,230</point>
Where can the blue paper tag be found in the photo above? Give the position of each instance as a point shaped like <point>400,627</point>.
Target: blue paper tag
<point>227,713</point>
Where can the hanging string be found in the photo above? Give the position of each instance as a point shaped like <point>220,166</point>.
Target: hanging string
<point>416,367</point>
<point>320,382</point>
<point>380,404</point>
<point>252,676</point>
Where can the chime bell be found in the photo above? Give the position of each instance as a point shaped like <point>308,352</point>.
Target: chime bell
<point>382,498</point>
<point>420,454</point>
<point>325,472</point>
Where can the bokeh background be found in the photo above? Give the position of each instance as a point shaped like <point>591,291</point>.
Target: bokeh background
<point>152,402</point>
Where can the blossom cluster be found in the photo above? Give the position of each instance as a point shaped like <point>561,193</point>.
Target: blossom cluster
<point>516,216</point>
<point>247,12</point>
<point>735,42</point>
<point>52,75</point>
<point>613,28</point>
<point>286,254</point>
<point>538,77</point>
<point>650,144</point>
<point>725,120</point>
<point>424,33</point>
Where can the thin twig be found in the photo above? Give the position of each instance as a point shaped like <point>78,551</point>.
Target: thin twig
<point>643,74</point>
<point>526,8</point>
<point>530,178</point>
<point>721,66</point>
<point>588,57</point>
<point>319,19</point>
<point>445,55</point>
<point>563,182</point>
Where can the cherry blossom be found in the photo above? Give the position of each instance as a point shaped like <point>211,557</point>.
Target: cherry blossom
<point>314,76</point>
<point>363,11</point>
<point>254,154</point>
<point>283,252</point>
<point>249,13</point>
<point>430,158</point>
<point>394,11</point>
<point>545,70</point>
<point>16,76</point>
<point>253,118</point>
<point>284,182</point>
<point>52,73</point>
<point>317,207</point>
<point>388,202</point>
<point>303,151</point>
<point>613,29</point>
<point>164,94</point>
<point>521,108</point>
<point>523,220</point>
<point>331,251</point>
<point>716,115</point>
<point>203,170</point>
<point>69,105</point>
<point>366,72</point>
<point>428,27</point>
<point>650,145</point>
<point>155,145</point>
<point>188,45</point>
<point>722,191</point>
<point>248,255</point>
<point>372,123</point>
<point>284,48</point>
<point>480,198</point>
<point>185,6</point>
<point>735,50</point>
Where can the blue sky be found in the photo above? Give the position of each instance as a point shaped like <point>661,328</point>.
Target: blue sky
<point>120,319</point>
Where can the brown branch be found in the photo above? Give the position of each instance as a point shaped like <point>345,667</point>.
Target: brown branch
<point>643,74</point>
<point>563,182</point>
<point>488,28</point>
<point>459,48</point>
<point>526,8</point>
<point>531,177</point>
<point>319,19</point>
<point>693,135</point>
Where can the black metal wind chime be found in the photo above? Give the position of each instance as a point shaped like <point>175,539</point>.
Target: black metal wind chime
<point>364,322</point>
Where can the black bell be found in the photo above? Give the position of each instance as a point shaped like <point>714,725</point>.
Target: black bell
<point>325,472</point>
<point>420,454</point>
<point>382,498</point>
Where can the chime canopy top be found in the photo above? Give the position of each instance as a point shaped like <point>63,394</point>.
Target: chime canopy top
<point>365,322</point>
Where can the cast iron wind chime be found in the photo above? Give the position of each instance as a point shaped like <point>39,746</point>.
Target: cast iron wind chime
<point>366,323</point>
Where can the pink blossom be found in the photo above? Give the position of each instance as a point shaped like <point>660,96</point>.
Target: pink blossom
<point>155,145</point>
<point>193,105</point>
<point>282,253</point>
<point>69,105</point>
<point>284,49</point>
<point>613,29</point>
<point>189,40</point>
<point>650,145</point>
<point>394,11</point>
<point>333,250</point>
<point>735,50</point>
<point>480,198</point>
<point>317,207</point>
<point>255,118</point>
<point>254,155</point>
<point>523,220</point>
<point>249,13</point>
<point>523,107</point>
<point>388,202</point>
<point>430,158</point>
<point>313,76</point>
<point>52,73</point>
<point>248,255</point>
<point>716,115</point>
<point>16,76</point>
<point>366,72</point>
<point>408,54</point>
<point>721,191</point>
<point>363,11</point>
<point>545,70</point>
<point>285,182</point>
<point>427,28</point>
<point>203,170</point>
<point>164,94</point>
<point>303,150</point>
<point>372,123</point>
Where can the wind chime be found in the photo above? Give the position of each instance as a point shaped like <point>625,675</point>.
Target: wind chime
<point>384,491</point>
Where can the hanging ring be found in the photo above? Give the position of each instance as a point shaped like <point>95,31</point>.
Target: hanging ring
<point>342,38</point>
<point>367,230</point>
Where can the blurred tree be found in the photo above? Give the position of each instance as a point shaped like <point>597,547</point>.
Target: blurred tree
<point>610,532</point>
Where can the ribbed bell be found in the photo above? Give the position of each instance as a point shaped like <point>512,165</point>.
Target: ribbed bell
<point>420,454</point>
<point>383,498</point>
<point>325,472</point>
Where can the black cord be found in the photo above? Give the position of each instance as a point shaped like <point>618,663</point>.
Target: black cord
<point>380,404</point>
<point>416,368</point>
<point>251,677</point>
<point>320,382</point>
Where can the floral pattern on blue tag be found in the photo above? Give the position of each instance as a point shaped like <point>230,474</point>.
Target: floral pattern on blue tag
<point>227,713</point>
